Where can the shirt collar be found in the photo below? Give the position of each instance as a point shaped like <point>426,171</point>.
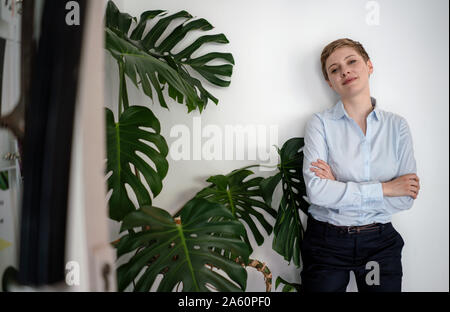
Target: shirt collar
<point>339,111</point>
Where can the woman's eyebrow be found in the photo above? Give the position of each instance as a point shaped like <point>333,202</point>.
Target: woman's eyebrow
<point>344,59</point>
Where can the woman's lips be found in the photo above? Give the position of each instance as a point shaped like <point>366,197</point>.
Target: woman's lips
<point>349,81</point>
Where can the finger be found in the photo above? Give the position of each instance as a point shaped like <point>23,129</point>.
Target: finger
<point>324,163</point>
<point>414,183</point>
<point>414,177</point>
<point>325,168</point>
<point>328,169</point>
<point>318,170</point>
<point>320,165</point>
<point>322,173</point>
<point>319,175</point>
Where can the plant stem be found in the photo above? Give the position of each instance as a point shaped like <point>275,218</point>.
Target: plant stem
<point>230,200</point>
<point>123,94</point>
<point>276,166</point>
<point>186,252</point>
<point>120,88</point>
<point>261,267</point>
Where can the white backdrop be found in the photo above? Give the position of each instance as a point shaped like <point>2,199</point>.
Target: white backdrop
<point>277,82</point>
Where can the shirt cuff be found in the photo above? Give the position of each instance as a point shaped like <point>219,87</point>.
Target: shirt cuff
<point>371,191</point>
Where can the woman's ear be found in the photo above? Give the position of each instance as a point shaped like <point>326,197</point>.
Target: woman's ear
<point>329,83</point>
<point>370,66</point>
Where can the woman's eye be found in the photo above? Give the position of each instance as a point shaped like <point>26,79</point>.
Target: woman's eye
<point>352,61</point>
<point>333,71</point>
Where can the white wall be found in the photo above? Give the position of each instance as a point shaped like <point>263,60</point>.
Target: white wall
<point>277,81</point>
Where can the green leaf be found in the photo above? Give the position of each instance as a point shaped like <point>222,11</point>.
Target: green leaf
<point>288,287</point>
<point>139,63</point>
<point>182,252</point>
<point>188,51</point>
<point>147,15</point>
<point>124,139</point>
<point>202,60</point>
<point>291,167</point>
<point>268,186</point>
<point>117,20</point>
<point>288,230</point>
<point>180,32</point>
<point>153,35</point>
<point>125,48</point>
<point>242,198</point>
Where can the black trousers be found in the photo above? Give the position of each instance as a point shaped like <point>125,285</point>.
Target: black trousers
<point>330,253</point>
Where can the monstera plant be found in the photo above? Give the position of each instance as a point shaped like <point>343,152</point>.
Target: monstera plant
<point>205,245</point>
<point>152,66</point>
<point>151,231</point>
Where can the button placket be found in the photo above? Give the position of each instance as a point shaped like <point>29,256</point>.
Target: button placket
<point>368,150</point>
<point>366,156</point>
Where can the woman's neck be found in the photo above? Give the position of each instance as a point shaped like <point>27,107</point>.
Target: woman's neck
<point>358,107</point>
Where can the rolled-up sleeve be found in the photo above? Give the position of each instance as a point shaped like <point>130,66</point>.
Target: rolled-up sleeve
<point>328,193</point>
<point>407,164</point>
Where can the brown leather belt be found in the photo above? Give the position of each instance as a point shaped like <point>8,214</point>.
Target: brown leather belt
<point>350,229</point>
<point>358,229</point>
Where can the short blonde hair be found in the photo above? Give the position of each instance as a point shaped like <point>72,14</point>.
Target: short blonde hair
<point>340,43</point>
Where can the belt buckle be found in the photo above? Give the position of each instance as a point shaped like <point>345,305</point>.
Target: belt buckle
<point>352,230</point>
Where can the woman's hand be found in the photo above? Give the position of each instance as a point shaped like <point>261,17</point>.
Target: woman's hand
<point>405,185</point>
<point>323,171</point>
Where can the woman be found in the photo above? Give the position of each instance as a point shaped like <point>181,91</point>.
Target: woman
<point>359,169</point>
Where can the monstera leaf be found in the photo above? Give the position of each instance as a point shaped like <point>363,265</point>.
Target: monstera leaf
<point>182,251</point>
<point>288,287</point>
<point>138,54</point>
<point>288,230</point>
<point>242,198</point>
<point>124,139</point>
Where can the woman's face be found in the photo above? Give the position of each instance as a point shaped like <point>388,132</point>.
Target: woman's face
<point>348,73</point>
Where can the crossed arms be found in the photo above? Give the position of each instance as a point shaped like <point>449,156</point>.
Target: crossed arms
<point>324,190</point>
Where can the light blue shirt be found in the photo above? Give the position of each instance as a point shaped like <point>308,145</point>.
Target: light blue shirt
<point>359,163</point>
